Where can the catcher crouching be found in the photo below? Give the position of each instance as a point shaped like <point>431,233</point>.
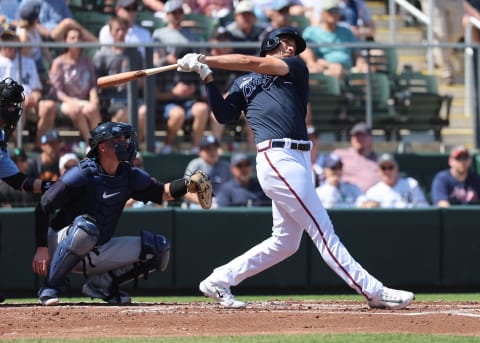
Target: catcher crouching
<point>76,219</point>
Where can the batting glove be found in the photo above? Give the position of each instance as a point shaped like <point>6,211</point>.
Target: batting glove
<point>187,62</point>
<point>202,69</point>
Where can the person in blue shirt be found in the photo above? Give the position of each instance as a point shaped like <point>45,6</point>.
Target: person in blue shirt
<point>11,106</point>
<point>457,185</point>
<point>243,189</point>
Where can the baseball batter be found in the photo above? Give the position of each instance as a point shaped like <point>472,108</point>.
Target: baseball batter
<point>273,97</point>
<point>11,106</point>
<point>87,202</point>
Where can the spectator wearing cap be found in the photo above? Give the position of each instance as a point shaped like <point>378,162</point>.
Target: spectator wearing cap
<point>334,192</point>
<point>55,18</point>
<point>179,94</point>
<point>209,161</point>
<point>330,59</point>
<point>45,165</point>
<point>243,189</point>
<point>28,32</point>
<point>457,185</point>
<point>66,162</point>
<point>279,16</point>
<point>360,160</point>
<point>135,34</point>
<point>393,191</point>
<point>244,28</point>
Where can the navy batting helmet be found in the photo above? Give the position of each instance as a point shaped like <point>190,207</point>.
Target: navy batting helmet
<point>272,40</point>
<point>11,102</point>
<point>125,150</point>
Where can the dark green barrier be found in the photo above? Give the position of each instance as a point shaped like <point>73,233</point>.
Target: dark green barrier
<point>207,239</point>
<point>17,250</point>
<point>399,247</point>
<point>461,246</point>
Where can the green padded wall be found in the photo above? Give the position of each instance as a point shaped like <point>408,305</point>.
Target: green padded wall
<point>399,247</point>
<point>207,239</point>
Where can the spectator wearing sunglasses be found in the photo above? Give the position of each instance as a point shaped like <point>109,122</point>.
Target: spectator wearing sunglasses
<point>394,191</point>
<point>335,192</point>
<point>243,189</point>
<point>457,185</point>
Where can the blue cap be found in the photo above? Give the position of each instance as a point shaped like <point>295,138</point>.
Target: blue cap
<point>208,141</point>
<point>331,161</point>
<point>50,136</point>
<point>238,158</point>
<point>30,10</point>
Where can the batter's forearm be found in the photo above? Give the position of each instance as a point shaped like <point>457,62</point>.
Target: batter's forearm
<point>263,65</point>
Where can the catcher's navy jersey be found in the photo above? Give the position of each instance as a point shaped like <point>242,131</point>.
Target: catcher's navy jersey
<point>275,106</point>
<point>86,189</point>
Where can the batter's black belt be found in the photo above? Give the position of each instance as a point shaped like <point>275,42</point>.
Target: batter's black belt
<point>284,144</point>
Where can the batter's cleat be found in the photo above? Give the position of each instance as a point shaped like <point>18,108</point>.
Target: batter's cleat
<point>222,294</point>
<point>93,292</point>
<point>392,299</point>
<point>48,297</point>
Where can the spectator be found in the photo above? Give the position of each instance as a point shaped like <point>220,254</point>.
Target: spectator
<point>45,166</point>
<point>115,59</point>
<point>243,189</point>
<point>55,18</point>
<point>218,9</point>
<point>28,32</point>
<point>360,160</point>
<point>210,162</point>
<point>330,59</point>
<point>334,192</point>
<point>174,34</point>
<point>136,34</point>
<point>447,28</point>
<point>11,197</point>
<point>10,67</point>
<point>74,90</point>
<point>244,27</point>
<point>9,14</point>
<point>456,185</point>
<point>67,161</point>
<point>356,15</point>
<point>279,15</point>
<point>394,191</point>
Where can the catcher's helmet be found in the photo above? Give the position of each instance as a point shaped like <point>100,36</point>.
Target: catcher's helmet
<point>125,150</point>
<point>11,102</point>
<point>272,40</point>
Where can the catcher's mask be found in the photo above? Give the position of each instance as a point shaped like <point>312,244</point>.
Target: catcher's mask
<point>125,149</point>
<point>272,40</point>
<point>11,104</point>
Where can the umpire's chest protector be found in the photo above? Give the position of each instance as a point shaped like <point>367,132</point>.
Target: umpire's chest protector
<point>105,195</point>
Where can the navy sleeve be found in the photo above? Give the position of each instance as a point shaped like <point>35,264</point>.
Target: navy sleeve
<point>146,188</point>
<point>224,110</point>
<point>439,189</point>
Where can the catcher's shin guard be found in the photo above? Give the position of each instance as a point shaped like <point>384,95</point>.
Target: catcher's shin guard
<point>154,255</point>
<point>80,240</point>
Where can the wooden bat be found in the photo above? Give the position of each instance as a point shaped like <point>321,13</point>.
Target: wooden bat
<point>118,79</point>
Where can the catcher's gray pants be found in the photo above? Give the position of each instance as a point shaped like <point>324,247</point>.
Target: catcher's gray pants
<point>117,255</point>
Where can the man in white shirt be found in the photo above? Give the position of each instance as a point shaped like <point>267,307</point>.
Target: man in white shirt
<point>136,34</point>
<point>394,191</point>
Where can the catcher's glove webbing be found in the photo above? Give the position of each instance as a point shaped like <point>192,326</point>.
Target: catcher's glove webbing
<point>200,183</point>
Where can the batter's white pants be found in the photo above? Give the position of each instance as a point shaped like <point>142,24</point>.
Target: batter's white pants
<point>286,177</point>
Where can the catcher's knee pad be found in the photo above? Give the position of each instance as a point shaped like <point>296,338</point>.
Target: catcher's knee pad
<point>80,240</point>
<point>156,245</point>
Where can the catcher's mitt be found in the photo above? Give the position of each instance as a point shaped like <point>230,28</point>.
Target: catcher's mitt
<point>200,183</point>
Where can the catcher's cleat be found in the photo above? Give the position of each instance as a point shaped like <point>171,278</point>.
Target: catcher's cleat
<point>222,294</point>
<point>48,297</point>
<point>392,299</point>
<point>93,292</point>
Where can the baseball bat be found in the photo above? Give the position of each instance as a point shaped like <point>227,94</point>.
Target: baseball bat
<point>118,79</point>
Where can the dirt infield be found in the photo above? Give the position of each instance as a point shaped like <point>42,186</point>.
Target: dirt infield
<point>201,318</point>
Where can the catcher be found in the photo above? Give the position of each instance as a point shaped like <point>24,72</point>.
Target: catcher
<point>87,202</point>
